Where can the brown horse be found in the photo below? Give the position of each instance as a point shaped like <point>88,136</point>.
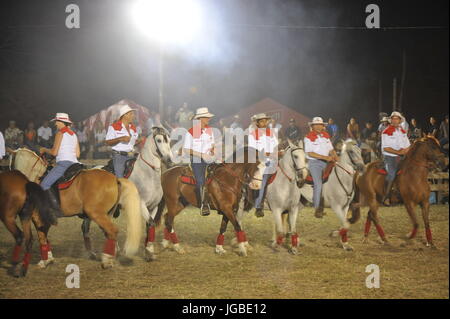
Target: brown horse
<point>95,193</point>
<point>224,189</point>
<point>411,182</point>
<point>19,196</point>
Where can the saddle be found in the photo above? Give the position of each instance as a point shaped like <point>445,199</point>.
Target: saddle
<point>129,165</point>
<point>67,179</point>
<point>382,170</point>
<point>187,176</point>
<point>326,174</point>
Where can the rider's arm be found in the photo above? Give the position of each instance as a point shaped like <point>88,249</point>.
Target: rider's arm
<point>113,141</point>
<point>53,151</point>
<point>77,151</point>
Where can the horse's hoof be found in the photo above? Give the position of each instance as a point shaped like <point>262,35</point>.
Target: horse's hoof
<point>44,263</point>
<point>431,245</point>
<point>107,261</point>
<point>179,249</point>
<point>242,250</point>
<point>248,246</point>
<point>92,255</point>
<point>366,240</point>
<point>347,247</point>
<point>219,250</point>
<point>293,250</point>
<point>19,271</point>
<point>165,244</point>
<point>334,233</point>
<point>242,253</point>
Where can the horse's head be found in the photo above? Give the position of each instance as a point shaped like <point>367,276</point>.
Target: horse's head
<point>431,149</point>
<point>160,144</point>
<point>256,172</point>
<point>297,157</point>
<point>29,163</point>
<point>353,153</point>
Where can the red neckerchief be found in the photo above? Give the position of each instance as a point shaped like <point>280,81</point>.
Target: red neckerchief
<point>312,135</point>
<point>118,126</point>
<point>197,131</point>
<point>267,132</point>
<point>66,129</point>
<point>391,129</point>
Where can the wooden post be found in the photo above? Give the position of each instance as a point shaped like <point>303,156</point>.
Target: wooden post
<point>402,84</point>
<point>394,95</point>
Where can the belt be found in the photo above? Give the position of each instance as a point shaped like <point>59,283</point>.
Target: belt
<point>123,153</point>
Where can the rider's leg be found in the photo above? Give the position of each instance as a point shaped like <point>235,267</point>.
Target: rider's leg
<point>391,163</point>
<point>269,170</point>
<point>199,170</point>
<point>316,167</point>
<point>119,161</point>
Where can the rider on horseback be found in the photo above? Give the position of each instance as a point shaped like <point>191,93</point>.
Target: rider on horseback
<point>394,144</point>
<point>67,150</point>
<point>264,140</point>
<point>319,151</point>
<point>122,136</point>
<point>199,144</point>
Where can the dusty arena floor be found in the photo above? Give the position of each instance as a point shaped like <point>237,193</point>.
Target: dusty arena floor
<point>321,270</point>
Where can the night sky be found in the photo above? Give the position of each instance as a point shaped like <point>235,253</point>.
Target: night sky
<point>241,57</point>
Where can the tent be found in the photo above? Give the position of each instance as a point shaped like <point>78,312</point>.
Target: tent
<point>107,116</point>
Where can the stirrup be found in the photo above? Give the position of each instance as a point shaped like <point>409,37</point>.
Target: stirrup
<point>259,212</point>
<point>203,211</point>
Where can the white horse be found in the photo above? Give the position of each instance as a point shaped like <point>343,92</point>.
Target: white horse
<point>283,194</point>
<point>146,175</point>
<point>339,190</point>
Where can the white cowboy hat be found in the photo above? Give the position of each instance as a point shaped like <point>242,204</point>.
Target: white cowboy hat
<point>397,114</point>
<point>385,119</point>
<point>317,120</point>
<point>202,112</point>
<point>63,117</point>
<point>124,110</point>
<point>260,116</point>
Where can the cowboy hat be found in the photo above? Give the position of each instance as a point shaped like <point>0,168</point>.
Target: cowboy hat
<point>202,112</point>
<point>63,117</point>
<point>385,119</point>
<point>317,120</point>
<point>260,116</point>
<point>124,110</point>
<point>397,114</point>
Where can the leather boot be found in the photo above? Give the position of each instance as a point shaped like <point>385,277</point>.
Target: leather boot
<point>319,213</point>
<point>204,209</point>
<point>54,208</point>
<point>387,193</point>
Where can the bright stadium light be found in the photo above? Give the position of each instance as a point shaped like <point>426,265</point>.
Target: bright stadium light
<point>173,21</point>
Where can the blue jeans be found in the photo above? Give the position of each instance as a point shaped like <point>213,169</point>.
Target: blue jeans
<point>391,165</point>
<point>316,168</point>
<point>199,170</point>
<point>269,170</point>
<point>119,161</point>
<point>55,173</point>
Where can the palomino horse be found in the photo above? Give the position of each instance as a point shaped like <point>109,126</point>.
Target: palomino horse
<point>412,184</point>
<point>95,193</point>
<point>19,196</point>
<point>146,175</point>
<point>339,190</point>
<point>224,190</point>
<point>283,195</point>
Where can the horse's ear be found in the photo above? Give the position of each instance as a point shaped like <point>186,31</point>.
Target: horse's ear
<point>300,143</point>
<point>291,145</point>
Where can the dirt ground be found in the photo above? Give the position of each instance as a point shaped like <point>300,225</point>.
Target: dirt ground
<point>321,270</point>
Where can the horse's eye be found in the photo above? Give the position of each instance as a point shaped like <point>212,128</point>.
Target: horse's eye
<point>295,156</point>
<point>158,140</point>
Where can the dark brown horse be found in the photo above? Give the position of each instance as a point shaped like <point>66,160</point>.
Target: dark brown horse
<point>411,182</point>
<point>20,197</point>
<point>224,189</point>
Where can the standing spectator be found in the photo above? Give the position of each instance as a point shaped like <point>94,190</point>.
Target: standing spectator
<point>2,146</point>
<point>353,130</point>
<point>443,131</point>
<point>82,139</point>
<point>13,136</point>
<point>236,122</point>
<point>292,131</point>
<point>384,123</point>
<point>45,134</point>
<point>31,137</point>
<point>99,138</point>
<point>276,128</point>
<point>432,127</point>
<point>184,116</point>
<point>404,125</point>
<point>368,131</point>
<point>415,131</point>
<point>333,130</point>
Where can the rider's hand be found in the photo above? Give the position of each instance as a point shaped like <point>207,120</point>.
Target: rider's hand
<point>41,150</point>
<point>328,158</point>
<point>125,139</point>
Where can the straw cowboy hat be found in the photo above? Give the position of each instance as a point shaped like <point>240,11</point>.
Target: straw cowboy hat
<point>385,119</point>
<point>317,120</point>
<point>124,110</point>
<point>397,114</point>
<point>260,116</point>
<point>202,112</point>
<point>63,117</point>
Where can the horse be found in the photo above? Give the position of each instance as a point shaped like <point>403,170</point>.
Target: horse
<point>339,191</point>
<point>283,196</point>
<point>225,189</point>
<point>411,182</point>
<point>95,193</point>
<point>146,176</point>
<point>20,197</point>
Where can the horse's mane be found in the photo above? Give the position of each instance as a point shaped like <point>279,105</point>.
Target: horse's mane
<point>237,155</point>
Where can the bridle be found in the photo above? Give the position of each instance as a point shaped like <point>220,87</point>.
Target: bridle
<point>158,151</point>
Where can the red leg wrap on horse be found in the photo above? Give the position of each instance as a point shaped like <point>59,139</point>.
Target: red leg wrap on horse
<point>151,234</point>
<point>294,240</point>
<point>220,239</point>
<point>380,231</point>
<point>166,234</point>
<point>174,238</point>
<point>367,227</point>
<point>280,240</point>
<point>26,260</point>
<point>343,233</point>
<point>241,236</point>
<point>16,253</point>
<point>428,234</point>
<point>44,251</point>
<point>413,233</point>
<point>110,247</point>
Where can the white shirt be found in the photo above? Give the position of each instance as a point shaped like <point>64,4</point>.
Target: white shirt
<point>44,132</point>
<point>317,143</point>
<point>263,139</point>
<point>395,138</point>
<point>116,130</point>
<point>2,146</point>
<point>68,148</point>
<point>199,140</point>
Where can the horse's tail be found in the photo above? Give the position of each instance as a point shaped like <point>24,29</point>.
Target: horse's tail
<point>36,200</point>
<point>129,201</point>
<point>161,206</point>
